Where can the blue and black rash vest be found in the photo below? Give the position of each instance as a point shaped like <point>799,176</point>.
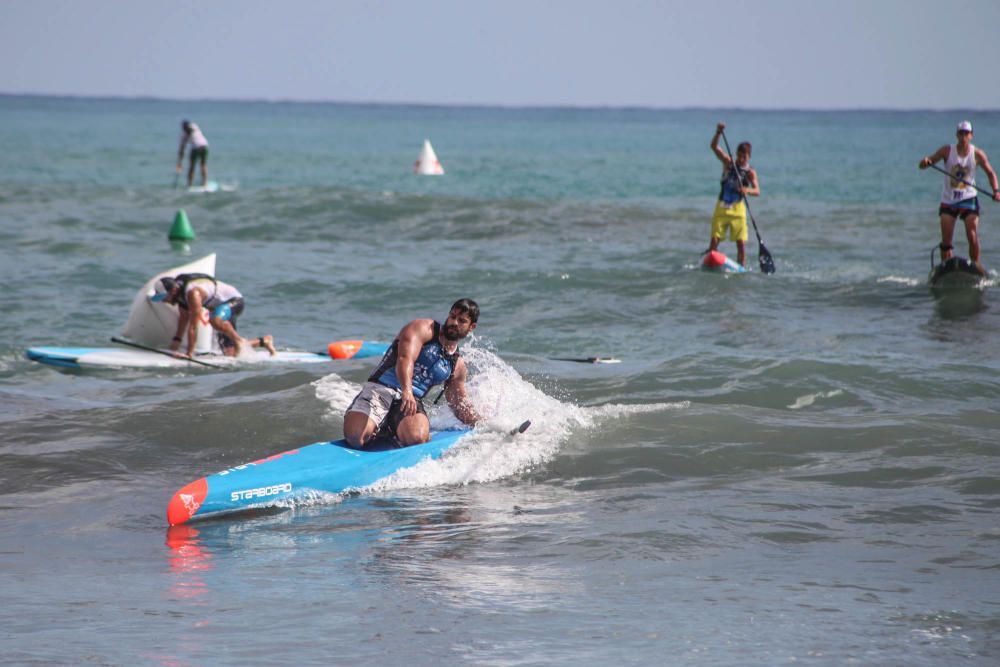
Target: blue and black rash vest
<point>729,193</point>
<point>432,366</point>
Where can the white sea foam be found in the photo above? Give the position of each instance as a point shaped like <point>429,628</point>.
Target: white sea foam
<point>901,280</point>
<point>809,399</point>
<point>336,393</point>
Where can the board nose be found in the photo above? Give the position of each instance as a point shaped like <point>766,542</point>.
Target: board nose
<point>186,502</point>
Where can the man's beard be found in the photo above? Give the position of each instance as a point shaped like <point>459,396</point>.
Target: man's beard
<point>450,332</point>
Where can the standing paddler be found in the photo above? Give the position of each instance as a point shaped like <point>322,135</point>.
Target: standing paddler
<point>958,197</point>
<point>191,135</point>
<point>738,182</point>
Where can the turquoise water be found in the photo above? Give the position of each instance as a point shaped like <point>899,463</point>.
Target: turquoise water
<point>792,468</point>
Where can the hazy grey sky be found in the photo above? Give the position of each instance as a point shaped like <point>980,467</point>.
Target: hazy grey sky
<point>765,54</point>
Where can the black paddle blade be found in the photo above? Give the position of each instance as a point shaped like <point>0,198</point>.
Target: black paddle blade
<point>765,259</point>
<point>588,360</point>
<point>522,428</point>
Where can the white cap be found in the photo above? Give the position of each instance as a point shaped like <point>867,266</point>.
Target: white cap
<point>964,126</point>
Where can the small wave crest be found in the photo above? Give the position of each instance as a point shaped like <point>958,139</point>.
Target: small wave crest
<point>900,280</point>
<point>809,399</point>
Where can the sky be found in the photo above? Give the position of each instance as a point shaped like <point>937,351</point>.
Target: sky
<point>767,54</point>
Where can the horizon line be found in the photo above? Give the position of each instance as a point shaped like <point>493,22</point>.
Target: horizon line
<point>481,105</point>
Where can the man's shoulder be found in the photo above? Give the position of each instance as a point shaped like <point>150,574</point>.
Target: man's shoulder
<point>423,327</point>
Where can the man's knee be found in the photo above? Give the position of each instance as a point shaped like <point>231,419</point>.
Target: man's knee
<point>356,426</point>
<point>412,439</point>
<point>413,430</point>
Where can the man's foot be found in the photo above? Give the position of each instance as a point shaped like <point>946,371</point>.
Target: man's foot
<point>268,342</point>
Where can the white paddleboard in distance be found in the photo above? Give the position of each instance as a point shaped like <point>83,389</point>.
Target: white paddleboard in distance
<point>212,186</point>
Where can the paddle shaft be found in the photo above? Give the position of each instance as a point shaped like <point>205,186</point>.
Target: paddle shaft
<point>962,180</point>
<point>122,341</point>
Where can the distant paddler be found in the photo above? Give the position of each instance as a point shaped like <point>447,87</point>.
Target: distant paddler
<point>424,354</point>
<point>958,197</point>
<point>200,297</point>
<point>191,135</point>
<point>738,182</point>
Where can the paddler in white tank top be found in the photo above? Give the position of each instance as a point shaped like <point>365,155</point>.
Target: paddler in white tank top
<point>958,198</point>
<point>191,135</point>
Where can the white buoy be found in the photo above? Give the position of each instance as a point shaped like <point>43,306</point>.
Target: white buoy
<point>427,164</point>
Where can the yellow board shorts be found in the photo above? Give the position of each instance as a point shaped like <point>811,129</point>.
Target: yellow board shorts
<point>733,218</point>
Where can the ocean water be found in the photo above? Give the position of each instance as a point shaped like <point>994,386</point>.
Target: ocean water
<point>800,468</point>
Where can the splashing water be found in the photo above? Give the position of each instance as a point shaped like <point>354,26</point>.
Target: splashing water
<point>504,399</point>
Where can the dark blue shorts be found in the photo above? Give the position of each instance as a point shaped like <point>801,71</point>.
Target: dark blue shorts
<point>962,209</point>
<point>199,155</point>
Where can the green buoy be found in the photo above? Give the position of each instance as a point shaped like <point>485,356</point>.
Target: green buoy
<point>181,229</point>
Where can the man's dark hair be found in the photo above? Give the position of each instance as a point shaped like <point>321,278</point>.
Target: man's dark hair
<point>469,307</point>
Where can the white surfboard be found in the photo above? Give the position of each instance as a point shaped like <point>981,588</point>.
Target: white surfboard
<point>115,357</point>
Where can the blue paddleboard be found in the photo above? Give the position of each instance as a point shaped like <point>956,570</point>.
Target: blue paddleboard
<point>324,467</point>
<point>125,357</point>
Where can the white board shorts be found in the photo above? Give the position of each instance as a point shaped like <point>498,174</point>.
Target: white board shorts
<point>375,400</point>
